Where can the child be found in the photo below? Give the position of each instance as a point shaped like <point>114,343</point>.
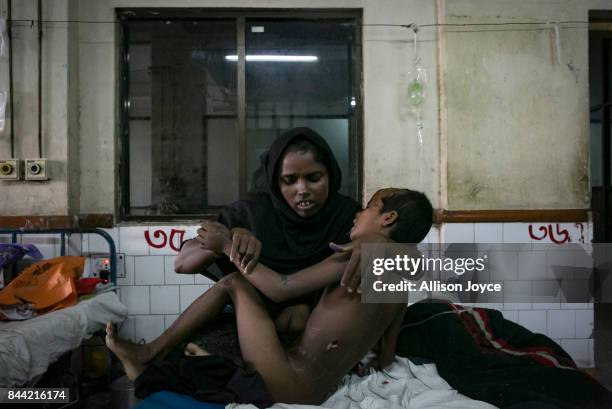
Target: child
<point>340,330</point>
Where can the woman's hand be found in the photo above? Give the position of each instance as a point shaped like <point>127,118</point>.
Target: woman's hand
<point>245,250</point>
<point>351,278</point>
<point>214,236</point>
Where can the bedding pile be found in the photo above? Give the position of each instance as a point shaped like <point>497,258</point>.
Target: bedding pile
<point>489,358</point>
<point>28,347</point>
<point>403,385</point>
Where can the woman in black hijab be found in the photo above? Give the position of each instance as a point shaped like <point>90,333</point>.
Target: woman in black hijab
<point>292,237</point>
<point>295,213</point>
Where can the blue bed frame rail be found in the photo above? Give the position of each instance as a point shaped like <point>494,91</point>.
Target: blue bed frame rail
<point>63,232</point>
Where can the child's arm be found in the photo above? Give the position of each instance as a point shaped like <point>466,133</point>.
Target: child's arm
<point>388,342</point>
<point>276,286</point>
<point>281,287</point>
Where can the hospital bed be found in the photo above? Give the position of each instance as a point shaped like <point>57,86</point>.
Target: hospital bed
<point>403,385</point>
<point>27,348</point>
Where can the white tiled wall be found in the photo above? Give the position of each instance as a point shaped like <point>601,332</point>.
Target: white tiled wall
<point>569,324</point>
<point>155,295</point>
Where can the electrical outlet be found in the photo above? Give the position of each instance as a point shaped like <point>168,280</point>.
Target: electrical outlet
<point>102,264</point>
<point>36,169</point>
<point>10,169</point>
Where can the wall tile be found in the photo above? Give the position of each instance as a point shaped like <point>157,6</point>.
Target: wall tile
<point>503,265</point>
<point>545,294</point>
<point>433,236</point>
<point>46,244</point>
<point>87,268</point>
<point>132,241</point>
<point>136,299</point>
<point>148,327</point>
<point>532,265</point>
<point>534,321</point>
<point>511,315</point>
<point>149,270</point>
<point>540,232</point>
<point>515,233</point>
<point>188,293</point>
<point>169,319</point>
<point>73,245</point>
<point>560,264</point>
<point>129,272</point>
<point>517,295</point>
<point>575,305</point>
<point>561,324</point>
<point>163,236</point>
<point>488,233</point>
<point>165,299</point>
<point>171,277</point>
<point>578,349</point>
<point>126,329</point>
<point>97,244</point>
<point>584,323</point>
<point>201,279</point>
<point>458,232</point>
<point>490,305</point>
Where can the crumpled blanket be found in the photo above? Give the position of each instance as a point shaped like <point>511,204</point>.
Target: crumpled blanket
<point>27,348</point>
<point>403,385</point>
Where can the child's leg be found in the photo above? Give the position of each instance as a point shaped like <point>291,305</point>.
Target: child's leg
<point>260,345</point>
<point>292,319</point>
<point>205,308</point>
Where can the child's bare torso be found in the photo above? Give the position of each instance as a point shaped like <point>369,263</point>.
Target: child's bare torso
<point>339,332</point>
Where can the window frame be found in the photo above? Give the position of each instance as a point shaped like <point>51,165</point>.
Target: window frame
<point>127,15</point>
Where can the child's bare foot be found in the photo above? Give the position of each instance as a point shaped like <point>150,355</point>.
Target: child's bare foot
<point>126,351</point>
<point>193,350</point>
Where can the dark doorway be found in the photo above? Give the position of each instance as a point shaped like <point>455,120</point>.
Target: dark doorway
<point>600,99</point>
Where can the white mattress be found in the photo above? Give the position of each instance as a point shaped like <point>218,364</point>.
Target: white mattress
<point>403,385</point>
<point>27,348</point>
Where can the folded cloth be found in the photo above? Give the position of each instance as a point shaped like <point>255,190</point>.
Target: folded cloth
<point>208,378</point>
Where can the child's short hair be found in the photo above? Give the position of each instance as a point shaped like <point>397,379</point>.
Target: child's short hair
<point>415,215</point>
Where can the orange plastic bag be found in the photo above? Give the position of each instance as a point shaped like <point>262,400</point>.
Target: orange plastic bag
<point>48,285</point>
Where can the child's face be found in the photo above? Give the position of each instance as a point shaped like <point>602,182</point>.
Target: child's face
<point>370,219</point>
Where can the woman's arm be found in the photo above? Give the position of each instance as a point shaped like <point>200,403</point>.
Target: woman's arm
<point>276,286</point>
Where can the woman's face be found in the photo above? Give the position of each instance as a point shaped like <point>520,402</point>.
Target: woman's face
<point>304,183</point>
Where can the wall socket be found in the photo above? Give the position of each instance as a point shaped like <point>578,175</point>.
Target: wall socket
<point>36,169</point>
<point>10,169</point>
<point>102,263</point>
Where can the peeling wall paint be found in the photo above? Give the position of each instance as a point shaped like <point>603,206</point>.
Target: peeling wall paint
<point>515,119</point>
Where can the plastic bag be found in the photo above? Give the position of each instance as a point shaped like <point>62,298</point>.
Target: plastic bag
<point>13,252</point>
<point>47,285</point>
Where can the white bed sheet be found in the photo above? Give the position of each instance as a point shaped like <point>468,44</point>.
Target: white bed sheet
<point>27,348</point>
<point>403,385</point>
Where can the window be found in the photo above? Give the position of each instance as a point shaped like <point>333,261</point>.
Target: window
<point>204,93</point>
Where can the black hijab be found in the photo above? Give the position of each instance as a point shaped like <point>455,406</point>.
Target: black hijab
<point>290,242</point>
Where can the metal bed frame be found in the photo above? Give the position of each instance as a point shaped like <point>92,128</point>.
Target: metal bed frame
<point>113,273</point>
<point>67,232</point>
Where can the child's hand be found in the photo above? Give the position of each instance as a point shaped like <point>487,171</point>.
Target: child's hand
<point>214,236</point>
